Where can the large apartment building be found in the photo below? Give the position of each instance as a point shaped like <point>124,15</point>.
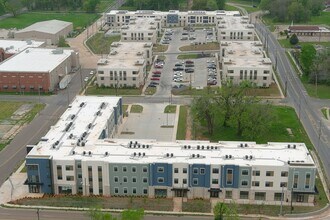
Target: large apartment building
<point>235,28</point>
<point>79,156</point>
<point>125,66</point>
<point>141,30</point>
<point>245,61</point>
<point>172,18</point>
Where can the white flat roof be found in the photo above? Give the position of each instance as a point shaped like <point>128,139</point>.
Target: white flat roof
<point>235,23</point>
<point>16,46</point>
<point>141,24</point>
<point>35,60</point>
<point>51,26</point>
<point>245,53</point>
<point>126,54</point>
<point>151,151</point>
<point>164,13</point>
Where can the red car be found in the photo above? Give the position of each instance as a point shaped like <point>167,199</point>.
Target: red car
<point>189,62</point>
<point>154,78</point>
<point>156,72</point>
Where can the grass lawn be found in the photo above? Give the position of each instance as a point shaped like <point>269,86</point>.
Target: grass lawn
<point>159,48</point>
<point>103,5</point>
<point>182,124</point>
<point>150,90</point>
<point>100,44</point>
<point>94,90</point>
<point>324,18</point>
<point>324,112</point>
<point>207,46</point>
<point>319,91</point>
<point>197,205</point>
<point>285,117</point>
<point>170,109</point>
<point>286,43</point>
<point>102,202</point>
<point>187,56</point>
<point>79,20</point>
<point>230,8</point>
<point>8,108</point>
<point>136,109</point>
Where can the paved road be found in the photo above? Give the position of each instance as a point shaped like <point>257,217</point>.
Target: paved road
<point>297,96</point>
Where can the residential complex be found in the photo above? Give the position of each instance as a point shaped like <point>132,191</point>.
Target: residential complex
<point>235,28</point>
<point>141,30</point>
<point>11,47</point>
<point>49,31</point>
<point>36,69</point>
<point>125,66</point>
<point>80,156</point>
<point>245,60</point>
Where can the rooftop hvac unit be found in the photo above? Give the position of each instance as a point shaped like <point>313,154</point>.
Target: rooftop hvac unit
<point>144,154</point>
<point>73,152</point>
<point>82,104</point>
<point>83,144</point>
<point>113,52</point>
<point>72,117</point>
<point>90,152</point>
<point>251,157</point>
<point>106,153</point>
<point>167,155</point>
<point>84,152</point>
<point>70,136</point>
<point>172,154</point>
<point>134,154</point>
<point>193,155</point>
<point>57,51</point>
<point>90,125</point>
<point>143,146</point>
<point>139,154</point>
<point>197,155</point>
<point>189,146</point>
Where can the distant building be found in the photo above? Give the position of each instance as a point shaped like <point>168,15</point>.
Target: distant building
<point>141,30</point>
<point>245,61</point>
<point>11,47</point>
<point>49,31</point>
<point>235,28</point>
<point>36,69</point>
<point>79,156</point>
<point>125,66</point>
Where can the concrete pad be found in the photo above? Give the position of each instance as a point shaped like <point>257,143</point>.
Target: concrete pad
<point>152,123</point>
<point>14,188</point>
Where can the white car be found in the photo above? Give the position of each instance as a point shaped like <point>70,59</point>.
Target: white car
<point>86,79</point>
<point>91,73</point>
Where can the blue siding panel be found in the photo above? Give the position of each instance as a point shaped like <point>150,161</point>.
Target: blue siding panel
<point>235,174</point>
<point>202,178</point>
<point>166,174</point>
<point>44,173</point>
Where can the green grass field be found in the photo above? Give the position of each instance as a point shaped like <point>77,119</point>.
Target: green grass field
<point>187,56</point>
<point>8,108</point>
<point>100,44</point>
<point>207,46</point>
<point>182,125</point>
<point>136,109</point>
<point>79,20</point>
<point>103,5</point>
<point>319,91</point>
<point>170,109</point>
<point>94,90</point>
<point>285,117</point>
<point>286,43</point>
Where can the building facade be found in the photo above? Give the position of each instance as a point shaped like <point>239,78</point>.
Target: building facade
<point>125,66</point>
<point>80,156</point>
<point>36,69</point>
<point>245,61</point>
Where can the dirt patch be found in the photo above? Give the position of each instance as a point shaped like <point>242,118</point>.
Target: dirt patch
<point>289,131</point>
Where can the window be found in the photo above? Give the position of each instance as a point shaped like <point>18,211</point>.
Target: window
<point>115,169</point>
<point>245,172</point>
<point>160,169</point>
<point>134,179</point>
<point>266,71</point>
<point>278,196</point>
<point>184,181</point>
<point>59,172</point>
<point>176,180</point>
<point>255,183</point>
<point>133,169</point>
<point>125,179</point>
<point>215,181</point>
<point>125,190</point>
<point>134,190</point>
<point>100,72</point>
<point>133,78</point>
<point>268,184</point>
<point>116,179</point>
<point>145,191</point>
<point>229,177</point>
<point>195,181</point>
<point>283,184</point>
<point>229,195</point>
<point>145,180</point>
<point>160,180</point>
<point>32,167</point>
<point>256,173</point>
<point>116,190</point>
<point>202,171</point>
<point>259,196</point>
<point>264,78</point>
<point>145,169</point>
<point>184,170</point>
<point>295,180</point>
<point>79,175</point>
<point>244,183</point>
<point>215,170</point>
<point>244,195</point>
<point>195,170</point>
<point>176,170</point>
<point>284,173</point>
<point>68,167</point>
<point>124,169</point>
<point>269,173</point>
<point>241,74</point>
<point>102,78</point>
<point>307,180</point>
<point>69,178</point>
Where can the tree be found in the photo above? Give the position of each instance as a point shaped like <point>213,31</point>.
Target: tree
<point>298,13</point>
<point>223,211</point>
<point>221,4</point>
<point>211,5</point>
<point>90,5</point>
<point>12,6</point>
<point>62,42</point>
<point>204,110</point>
<point>307,55</point>
<point>131,214</point>
<point>294,39</point>
<point>199,5</point>
<point>316,7</point>
<point>97,214</point>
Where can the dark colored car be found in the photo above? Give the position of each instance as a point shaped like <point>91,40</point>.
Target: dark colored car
<point>178,68</point>
<point>151,85</point>
<point>154,83</point>
<point>189,62</point>
<point>154,78</point>
<point>156,72</point>
<point>155,75</point>
<point>189,70</point>
<point>190,65</point>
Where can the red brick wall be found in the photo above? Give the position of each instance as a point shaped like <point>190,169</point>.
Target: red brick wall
<point>31,82</point>
<point>4,55</point>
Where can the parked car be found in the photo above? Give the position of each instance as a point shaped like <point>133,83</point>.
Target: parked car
<point>159,66</point>
<point>184,38</point>
<point>179,68</point>
<point>189,70</point>
<point>155,75</point>
<point>189,62</point>
<point>212,83</point>
<point>154,83</point>
<point>178,64</point>
<point>185,33</point>
<point>154,78</point>
<point>156,72</point>
<point>190,65</point>
<point>151,85</point>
